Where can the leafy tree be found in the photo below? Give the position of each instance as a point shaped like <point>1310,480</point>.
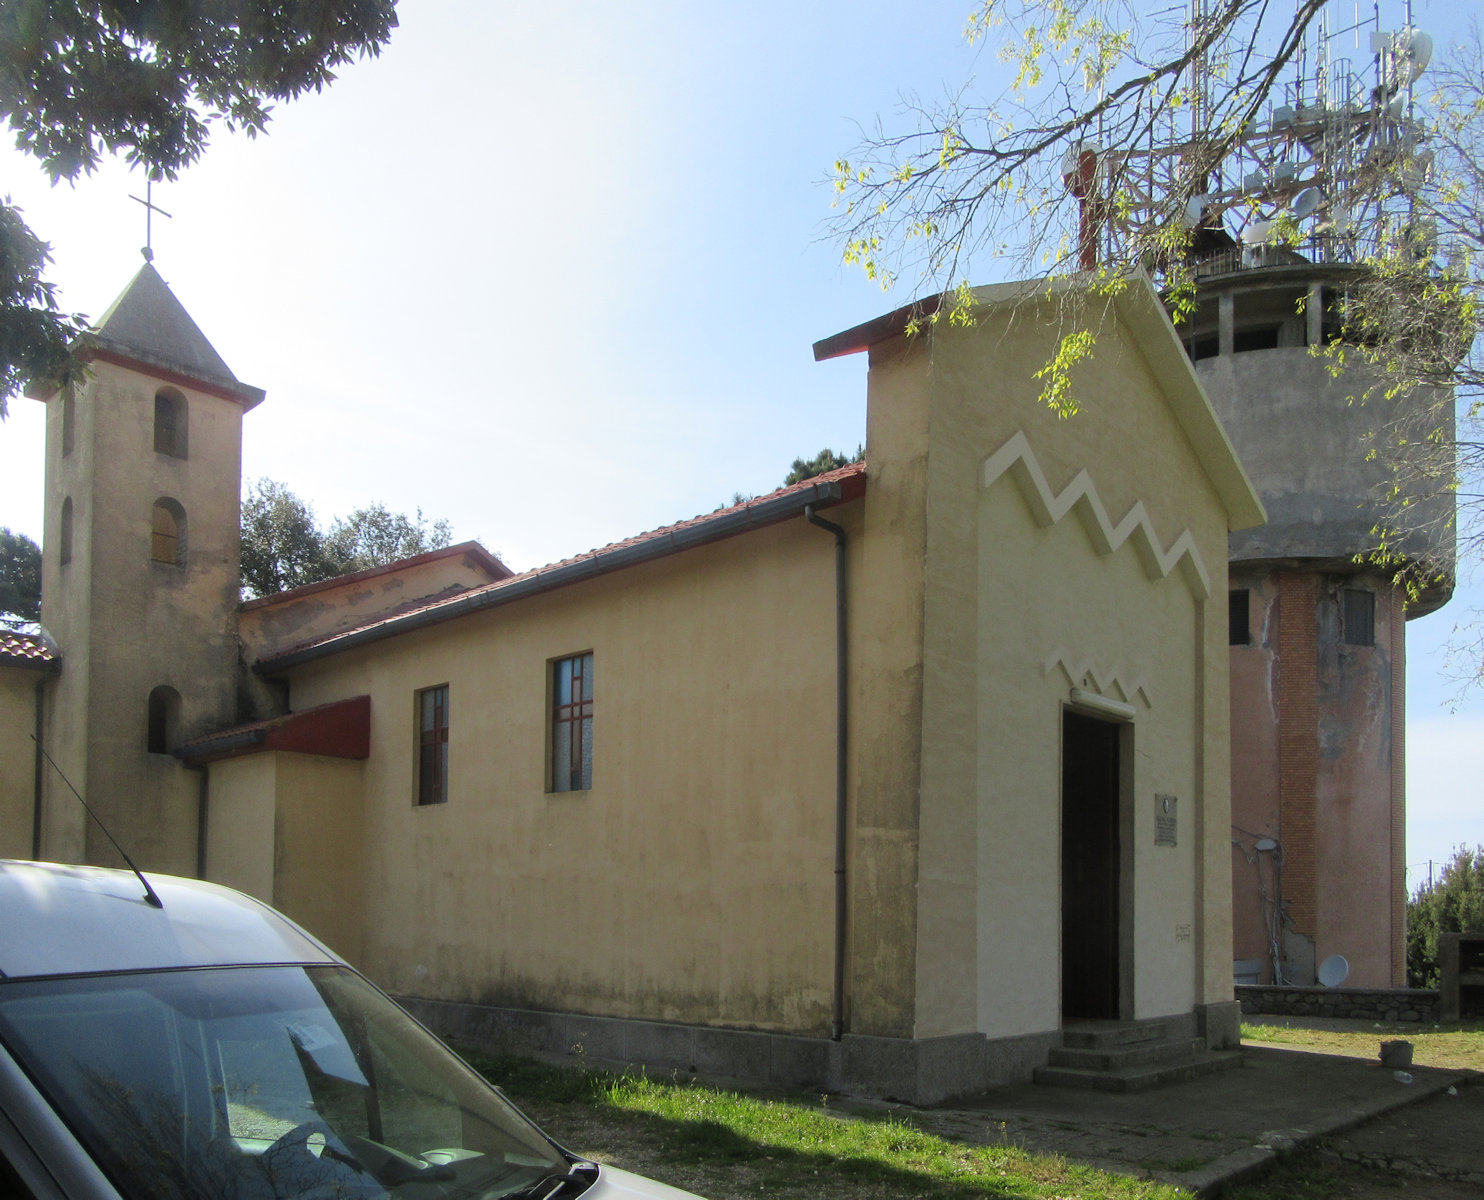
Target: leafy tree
<point>374,536</point>
<point>1454,904</point>
<point>825,460</point>
<point>146,79</point>
<point>283,546</point>
<point>20,578</point>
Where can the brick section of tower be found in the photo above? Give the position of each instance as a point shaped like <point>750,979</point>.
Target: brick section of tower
<point>1298,744</point>
<point>1398,628</point>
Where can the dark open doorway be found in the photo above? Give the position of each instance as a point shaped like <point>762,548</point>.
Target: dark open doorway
<point>1089,868</point>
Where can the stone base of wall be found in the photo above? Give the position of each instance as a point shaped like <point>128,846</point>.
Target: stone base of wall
<point>1401,1005</point>
<point>921,1071</point>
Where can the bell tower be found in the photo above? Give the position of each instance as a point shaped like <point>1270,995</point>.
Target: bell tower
<point>140,577</point>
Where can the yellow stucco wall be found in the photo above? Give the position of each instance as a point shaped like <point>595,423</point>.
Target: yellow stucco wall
<point>287,829</point>
<point>1013,614</point>
<point>241,805</point>
<point>694,881</point>
<point>17,760</point>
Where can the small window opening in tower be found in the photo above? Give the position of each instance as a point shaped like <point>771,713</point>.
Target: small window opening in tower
<point>1357,617</point>
<point>171,423</point>
<point>168,533</point>
<point>64,535</point>
<point>164,719</point>
<point>1239,618</point>
<point>1262,338</point>
<point>69,422</point>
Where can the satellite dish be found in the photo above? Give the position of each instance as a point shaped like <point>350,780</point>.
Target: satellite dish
<point>1265,844</point>
<point>1307,202</point>
<point>1256,233</point>
<point>1334,970</point>
<point>1417,54</point>
<point>1194,208</point>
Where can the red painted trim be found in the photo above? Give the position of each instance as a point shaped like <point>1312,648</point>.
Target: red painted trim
<point>244,394</point>
<point>340,729</point>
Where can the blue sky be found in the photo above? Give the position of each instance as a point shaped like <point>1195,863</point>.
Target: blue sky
<point>553,273</point>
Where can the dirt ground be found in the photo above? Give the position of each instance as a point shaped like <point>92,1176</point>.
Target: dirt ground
<point>1434,1148</point>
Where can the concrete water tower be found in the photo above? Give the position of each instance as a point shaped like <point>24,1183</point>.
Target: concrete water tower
<point>1318,641</point>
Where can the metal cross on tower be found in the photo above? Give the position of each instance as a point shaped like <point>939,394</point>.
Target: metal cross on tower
<point>150,208</point>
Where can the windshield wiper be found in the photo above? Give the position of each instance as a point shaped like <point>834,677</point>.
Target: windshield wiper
<point>578,1178</point>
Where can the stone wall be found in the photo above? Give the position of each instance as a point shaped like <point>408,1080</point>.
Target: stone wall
<point>1407,1005</point>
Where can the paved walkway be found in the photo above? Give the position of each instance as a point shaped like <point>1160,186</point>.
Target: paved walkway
<point>1211,1131</point>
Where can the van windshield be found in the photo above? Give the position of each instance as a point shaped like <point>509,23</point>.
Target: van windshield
<point>254,1083</point>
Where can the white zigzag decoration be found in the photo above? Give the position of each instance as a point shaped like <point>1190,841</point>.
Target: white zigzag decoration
<point>1018,459</point>
<point>1104,682</point>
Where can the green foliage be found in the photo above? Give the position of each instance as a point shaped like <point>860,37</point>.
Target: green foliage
<point>825,460</point>
<point>20,578</point>
<point>374,536</point>
<point>147,79</point>
<point>34,334</point>
<point>283,547</point>
<point>1453,904</point>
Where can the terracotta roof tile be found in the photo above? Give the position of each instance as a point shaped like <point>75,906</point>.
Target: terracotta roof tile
<point>851,478</point>
<point>34,650</point>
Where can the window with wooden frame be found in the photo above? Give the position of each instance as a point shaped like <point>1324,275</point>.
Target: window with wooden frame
<point>167,542</point>
<point>432,745</point>
<point>572,724</point>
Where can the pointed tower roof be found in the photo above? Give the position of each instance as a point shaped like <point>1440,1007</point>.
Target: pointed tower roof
<point>148,327</point>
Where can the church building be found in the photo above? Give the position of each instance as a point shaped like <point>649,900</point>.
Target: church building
<point>900,780</point>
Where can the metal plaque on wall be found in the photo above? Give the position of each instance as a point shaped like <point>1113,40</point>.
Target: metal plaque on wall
<point>1165,810</point>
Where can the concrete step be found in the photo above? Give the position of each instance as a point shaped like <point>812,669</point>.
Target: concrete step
<point>1142,1078</point>
<point>1104,1035</point>
<point>1136,1054</point>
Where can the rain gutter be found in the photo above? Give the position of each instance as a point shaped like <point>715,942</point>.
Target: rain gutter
<point>837,1010</point>
<point>768,511</point>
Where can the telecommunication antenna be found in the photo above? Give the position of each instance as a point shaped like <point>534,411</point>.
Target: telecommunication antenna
<point>1331,167</point>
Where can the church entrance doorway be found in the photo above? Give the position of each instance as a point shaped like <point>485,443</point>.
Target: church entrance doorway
<point>1090,868</point>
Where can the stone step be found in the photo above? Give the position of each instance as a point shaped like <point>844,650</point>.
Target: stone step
<point>1138,1079</point>
<point>1135,1054</point>
<point>1103,1035</point>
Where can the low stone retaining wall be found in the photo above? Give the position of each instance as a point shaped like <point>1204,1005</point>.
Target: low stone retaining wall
<point>1402,1005</point>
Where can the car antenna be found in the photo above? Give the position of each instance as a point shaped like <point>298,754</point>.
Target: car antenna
<point>149,892</point>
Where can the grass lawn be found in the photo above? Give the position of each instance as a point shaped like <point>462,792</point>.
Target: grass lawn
<point>731,1145</point>
<point>1457,1047</point>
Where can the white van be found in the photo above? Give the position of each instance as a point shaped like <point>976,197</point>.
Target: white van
<point>194,1044</point>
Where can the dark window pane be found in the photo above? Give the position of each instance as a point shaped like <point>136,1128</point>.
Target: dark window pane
<point>1239,618</point>
<point>1358,617</point>
<point>432,745</point>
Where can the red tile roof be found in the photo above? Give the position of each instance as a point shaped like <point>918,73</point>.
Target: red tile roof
<point>33,650</point>
<point>339,729</point>
<point>832,487</point>
<point>490,564</point>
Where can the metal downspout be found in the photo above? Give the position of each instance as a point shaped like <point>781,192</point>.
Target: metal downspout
<point>203,797</point>
<point>37,770</point>
<point>837,1014</point>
